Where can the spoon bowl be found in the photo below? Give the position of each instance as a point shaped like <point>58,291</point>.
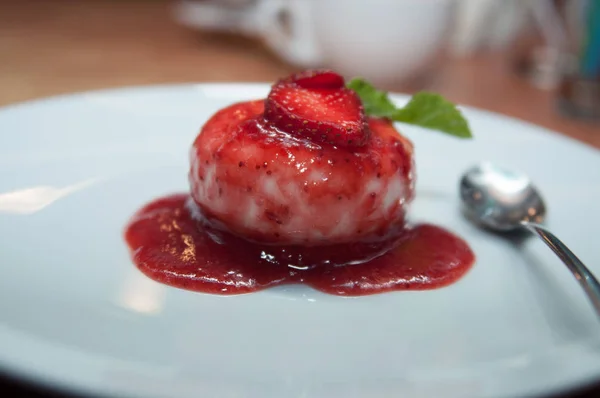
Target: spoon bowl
<point>499,198</point>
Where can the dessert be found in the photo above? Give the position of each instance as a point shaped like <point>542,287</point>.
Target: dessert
<point>309,185</point>
<point>304,167</point>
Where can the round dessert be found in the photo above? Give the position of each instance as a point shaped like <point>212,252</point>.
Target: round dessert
<point>304,167</point>
<point>299,188</point>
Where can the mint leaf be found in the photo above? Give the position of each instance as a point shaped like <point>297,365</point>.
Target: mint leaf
<point>424,109</point>
<point>375,102</point>
<point>432,111</point>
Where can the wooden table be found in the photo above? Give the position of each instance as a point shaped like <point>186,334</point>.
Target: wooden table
<point>50,47</point>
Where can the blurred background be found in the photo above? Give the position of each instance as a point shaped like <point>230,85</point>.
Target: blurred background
<point>537,60</point>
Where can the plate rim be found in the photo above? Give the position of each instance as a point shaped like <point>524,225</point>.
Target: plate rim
<point>396,96</point>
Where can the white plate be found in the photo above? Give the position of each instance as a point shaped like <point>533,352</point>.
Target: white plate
<point>76,313</point>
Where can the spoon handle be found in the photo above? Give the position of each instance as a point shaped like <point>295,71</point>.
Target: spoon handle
<point>586,279</point>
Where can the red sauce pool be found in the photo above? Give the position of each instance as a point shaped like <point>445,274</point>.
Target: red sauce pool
<point>172,247</point>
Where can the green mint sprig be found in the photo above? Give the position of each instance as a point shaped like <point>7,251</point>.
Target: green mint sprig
<point>424,109</point>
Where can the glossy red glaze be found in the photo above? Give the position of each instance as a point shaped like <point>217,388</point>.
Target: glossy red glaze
<point>269,186</point>
<point>172,247</point>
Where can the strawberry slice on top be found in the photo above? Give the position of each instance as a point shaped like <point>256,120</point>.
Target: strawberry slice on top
<point>317,105</point>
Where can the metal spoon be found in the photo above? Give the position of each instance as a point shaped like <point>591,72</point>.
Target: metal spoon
<point>504,200</point>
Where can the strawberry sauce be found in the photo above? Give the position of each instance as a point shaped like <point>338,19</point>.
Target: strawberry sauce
<point>171,246</point>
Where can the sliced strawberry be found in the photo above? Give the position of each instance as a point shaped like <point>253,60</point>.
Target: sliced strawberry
<point>315,79</point>
<point>318,106</point>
